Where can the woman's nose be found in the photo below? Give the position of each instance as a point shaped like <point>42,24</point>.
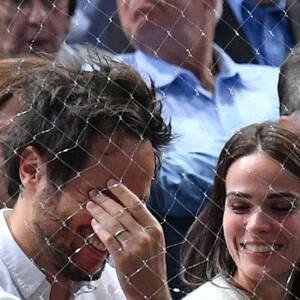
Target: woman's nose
<point>258,221</point>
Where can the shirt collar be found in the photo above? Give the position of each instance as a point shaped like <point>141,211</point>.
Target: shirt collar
<point>160,71</point>
<point>84,287</point>
<point>24,273</point>
<point>243,74</point>
<point>227,67</point>
<point>164,73</point>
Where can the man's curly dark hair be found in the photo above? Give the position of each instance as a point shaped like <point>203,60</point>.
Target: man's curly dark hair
<point>65,108</point>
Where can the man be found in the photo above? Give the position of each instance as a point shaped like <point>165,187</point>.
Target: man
<point>81,158</point>
<point>259,31</point>
<point>206,95</point>
<point>288,87</point>
<point>34,26</point>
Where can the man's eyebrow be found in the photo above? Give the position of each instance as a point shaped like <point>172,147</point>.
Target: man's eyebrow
<point>239,194</point>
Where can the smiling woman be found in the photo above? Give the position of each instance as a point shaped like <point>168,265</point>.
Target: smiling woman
<point>246,242</point>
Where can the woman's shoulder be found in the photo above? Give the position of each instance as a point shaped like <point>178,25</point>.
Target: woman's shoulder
<point>217,289</point>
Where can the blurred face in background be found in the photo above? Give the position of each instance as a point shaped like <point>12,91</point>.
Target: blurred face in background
<point>261,220</point>
<point>32,26</point>
<point>153,21</point>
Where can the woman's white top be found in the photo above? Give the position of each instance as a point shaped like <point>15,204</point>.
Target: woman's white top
<point>217,289</point>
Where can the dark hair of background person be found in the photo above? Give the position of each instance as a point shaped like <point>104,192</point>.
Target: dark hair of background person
<point>204,253</point>
<point>289,83</point>
<point>72,6</point>
<point>64,110</point>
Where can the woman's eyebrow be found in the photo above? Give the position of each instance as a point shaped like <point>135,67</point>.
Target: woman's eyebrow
<point>283,195</point>
<point>239,194</point>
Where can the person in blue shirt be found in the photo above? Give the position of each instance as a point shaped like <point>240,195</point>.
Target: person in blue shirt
<point>261,32</point>
<point>205,94</point>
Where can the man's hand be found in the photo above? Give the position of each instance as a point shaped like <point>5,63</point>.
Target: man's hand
<point>135,241</point>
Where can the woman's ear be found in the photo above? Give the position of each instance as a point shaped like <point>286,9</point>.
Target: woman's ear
<point>32,168</point>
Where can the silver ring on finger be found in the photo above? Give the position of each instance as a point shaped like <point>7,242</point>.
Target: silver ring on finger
<point>119,232</point>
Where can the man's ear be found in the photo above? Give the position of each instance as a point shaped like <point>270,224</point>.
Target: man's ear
<point>32,168</point>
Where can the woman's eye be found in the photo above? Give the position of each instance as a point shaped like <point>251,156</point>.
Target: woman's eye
<point>284,205</point>
<point>240,207</point>
<point>284,208</point>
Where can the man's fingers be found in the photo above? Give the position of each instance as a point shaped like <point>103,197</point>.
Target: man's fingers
<point>111,233</point>
<point>116,211</point>
<point>132,203</point>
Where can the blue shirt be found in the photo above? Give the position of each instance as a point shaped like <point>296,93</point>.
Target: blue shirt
<point>244,94</point>
<point>266,28</point>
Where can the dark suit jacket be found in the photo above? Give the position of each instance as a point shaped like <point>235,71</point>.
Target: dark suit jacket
<point>238,47</point>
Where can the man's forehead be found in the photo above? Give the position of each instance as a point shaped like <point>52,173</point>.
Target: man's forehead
<point>126,158</point>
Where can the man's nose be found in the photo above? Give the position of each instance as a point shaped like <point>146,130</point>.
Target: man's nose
<point>259,222</point>
<point>38,12</point>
